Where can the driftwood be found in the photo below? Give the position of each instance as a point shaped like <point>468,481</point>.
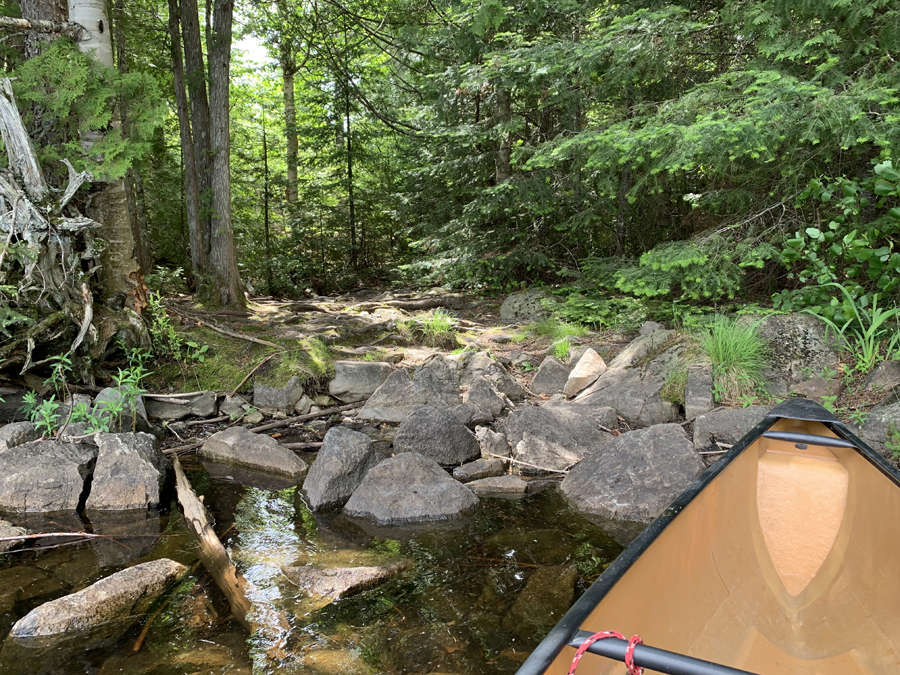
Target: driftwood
<point>211,552</point>
<point>303,418</point>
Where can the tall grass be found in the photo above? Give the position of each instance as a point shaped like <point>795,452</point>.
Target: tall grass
<point>738,354</point>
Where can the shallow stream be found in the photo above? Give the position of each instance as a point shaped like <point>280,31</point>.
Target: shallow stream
<point>474,597</point>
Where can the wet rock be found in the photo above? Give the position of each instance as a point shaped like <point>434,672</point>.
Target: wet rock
<point>345,458</point>
<point>17,433</point>
<point>436,433</point>
<point>819,388</point>
<point>553,437</point>
<point>480,468</point>
<point>130,473</point>
<point>113,603</point>
<point>492,443</point>
<point>636,476</point>
<point>482,365</point>
<point>409,488</point>
<point>546,597</point>
<point>239,446</point>
<point>332,583</point>
<point>726,426</point>
<point>883,425</point>
<point>526,305</point>
<point>9,530</point>
<point>698,394</point>
<point>799,344</point>
<point>233,406</point>
<point>45,476</point>
<point>498,485</point>
<point>551,377</point>
<point>203,404</point>
<point>884,378</point>
<point>279,398</point>
<point>632,385</point>
<point>357,380</point>
<point>333,662</point>
<point>589,367</point>
<point>133,415</point>
<point>472,415</point>
<point>483,394</point>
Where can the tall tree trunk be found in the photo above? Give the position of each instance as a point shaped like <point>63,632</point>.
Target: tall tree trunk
<point>120,271</point>
<point>195,74</point>
<point>44,10</point>
<point>290,127</point>
<point>222,261</point>
<point>502,165</point>
<point>191,192</point>
<point>266,207</point>
<point>622,211</point>
<point>354,262</point>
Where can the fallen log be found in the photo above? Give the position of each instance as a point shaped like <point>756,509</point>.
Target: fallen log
<point>304,418</point>
<point>211,552</point>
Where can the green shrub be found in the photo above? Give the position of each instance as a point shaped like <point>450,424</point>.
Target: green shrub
<point>738,355</point>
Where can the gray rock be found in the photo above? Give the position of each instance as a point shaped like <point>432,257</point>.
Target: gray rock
<point>409,488</point>
<point>436,433</point>
<point>130,473</point>
<point>553,437</point>
<point>601,416</point>
<point>9,530</point>
<point>800,345</point>
<point>818,388</point>
<point>698,392</point>
<point>498,485</point>
<point>635,392</point>
<point>17,433</point>
<point>480,468</point>
<point>883,425</point>
<point>233,406</point>
<point>45,476</point>
<point>526,305</point>
<point>304,406</point>
<point>115,602</point>
<point>492,443</point>
<point>133,416</point>
<point>636,476</point>
<point>203,404</point>
<point>253,417</point>
<point>472,415</point>
<point>777,384</point>
<point>239,446</point>
<point>589,367</point>
<point>884,378</point>
<point>345,458</point>
<point>546,597</point>
<point>483,394</point>
<point>357,380</point>
<point>726,426</point>
<point>400,394</point>
<point>279,398</point>
<point>649,326</point>
<point>482,365</point>
<point>551,377</point>
<point>338,582</point>
<point>439,377</point>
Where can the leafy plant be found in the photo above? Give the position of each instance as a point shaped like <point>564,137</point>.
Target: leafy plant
<point>196,351</point>
<point>738,355</point>
<point>46,416</point>
<point>828,402</point>
<point>892,442</point>
<point>61,366</point>
<point>29,404</point>
<point>858,417</point>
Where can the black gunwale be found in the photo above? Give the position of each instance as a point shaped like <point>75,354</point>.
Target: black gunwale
<point>554,642</point>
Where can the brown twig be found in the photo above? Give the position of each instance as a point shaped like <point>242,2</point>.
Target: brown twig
<point>83,535</point>
<point>303,418</point>
<point>532,466</point>
<point>210,420</point>
<point>255,368</point>
<point>178,449</point>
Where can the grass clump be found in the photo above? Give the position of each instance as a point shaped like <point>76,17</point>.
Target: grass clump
<point>738,354</point>
<point>556,329</point>
<point>676,381</point>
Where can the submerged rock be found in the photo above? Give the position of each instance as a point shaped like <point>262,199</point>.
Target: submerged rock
<point>45,476</point>
<point>636,476</point>
<point>332,583</point>
<point>343,461</point>
<point>409,488</point>
<point>239,446</point>
<point>436,433</point>
<point>546,597</point>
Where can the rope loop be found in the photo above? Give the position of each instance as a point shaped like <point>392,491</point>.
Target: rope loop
<point>629,650</point>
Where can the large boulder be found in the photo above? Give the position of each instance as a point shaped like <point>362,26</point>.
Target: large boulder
<point>111,604</point>
<point>45,476</point>
<point>800,344</point>
<point>345,458</point>
<point>885,378</point>
<point>726,426</point>
<point>551,377</point>
<point>553,437</point>
<point>634,381</point>
<point>492,443</point>
<point>882,425</point>
<point>482,365</point>
<point>440,378</point>
<point>130,473</point>
<point>131,415</point>
<point>357,380</point>
<point>526,305</point>
<point>481,393</point>
<point>278,398</point>
<point>636,476</point>
<point>435,383</point>
<point>438,434</point>
<point>171,409</point>
<point>409,488</point>
<point>17,433</point>
<point>239,446</point>
<point>587,370</point>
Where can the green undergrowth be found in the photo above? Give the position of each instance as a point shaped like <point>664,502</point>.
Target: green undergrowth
<point>738,354</point>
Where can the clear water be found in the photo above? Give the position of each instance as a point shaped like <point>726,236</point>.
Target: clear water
<point>474,597</point>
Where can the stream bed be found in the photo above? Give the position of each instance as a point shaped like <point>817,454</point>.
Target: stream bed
<point>474,596</point>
